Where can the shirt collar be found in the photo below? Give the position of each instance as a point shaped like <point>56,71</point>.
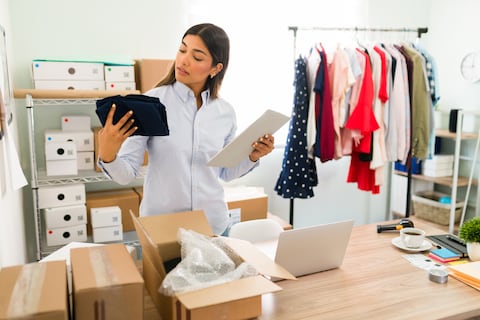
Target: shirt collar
<point>185,93</point>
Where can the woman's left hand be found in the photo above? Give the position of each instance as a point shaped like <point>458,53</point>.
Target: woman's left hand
<point>262,147</point>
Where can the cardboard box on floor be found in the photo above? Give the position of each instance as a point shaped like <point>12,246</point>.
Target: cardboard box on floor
<point>34,291</point>
<point>239,299</point>
<point>106,283</point>
<point>148,72</point>
<point>126,199</point>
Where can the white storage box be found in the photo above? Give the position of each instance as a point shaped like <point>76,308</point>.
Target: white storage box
<point>85,160</point>
<point>60,217</point>
<point>108,234</point>
<point>441,165</point>
<point>105,216</point>
<point>76,123</point>
<point>60,150</point>
<point>438,173</point>
<point>119,85</point>
<point>69,85</point>
<point>62,167</point>
<point>439,159</point>
<point>119,73</point>
<point>61,195</point>
<point>84,140</point>
<point>67,70</point>
<point>59,236</point>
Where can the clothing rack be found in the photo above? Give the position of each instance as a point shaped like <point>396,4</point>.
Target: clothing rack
<point>419,31</point>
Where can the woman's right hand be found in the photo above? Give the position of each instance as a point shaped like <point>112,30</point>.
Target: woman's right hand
<point>111,136</point>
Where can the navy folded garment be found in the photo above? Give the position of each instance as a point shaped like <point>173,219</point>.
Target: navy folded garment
<point>148,112</point>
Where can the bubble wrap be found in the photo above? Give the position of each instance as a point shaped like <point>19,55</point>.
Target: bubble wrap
<point>205,262</point>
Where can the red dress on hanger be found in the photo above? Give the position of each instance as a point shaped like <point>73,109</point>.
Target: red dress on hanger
<point>363,120</point>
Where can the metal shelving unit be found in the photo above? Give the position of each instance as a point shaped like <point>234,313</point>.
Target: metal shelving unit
<point>37,98</point>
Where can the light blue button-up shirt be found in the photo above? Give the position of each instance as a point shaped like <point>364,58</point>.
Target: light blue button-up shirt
<point>178,177</point>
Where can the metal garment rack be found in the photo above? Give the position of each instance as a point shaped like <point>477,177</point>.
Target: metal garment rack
<point>295,29</point>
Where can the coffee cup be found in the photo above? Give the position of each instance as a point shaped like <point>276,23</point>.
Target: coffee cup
<point>412,237</point>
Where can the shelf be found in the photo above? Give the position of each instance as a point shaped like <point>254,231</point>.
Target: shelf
<point>444,133</point>
<point>76,94</point>
<point>84,176</point>
<point>445,181</point>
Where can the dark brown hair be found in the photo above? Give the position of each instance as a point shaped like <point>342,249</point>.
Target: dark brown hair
<point>218,45</point>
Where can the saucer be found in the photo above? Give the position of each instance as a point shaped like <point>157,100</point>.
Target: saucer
<point>397,242</point>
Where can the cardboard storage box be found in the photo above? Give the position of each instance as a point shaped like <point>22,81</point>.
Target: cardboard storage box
<point>120,85</point>
<point>60,150</point>
<point>76,123</point>
<point>34,291</point>
<point>252,202</point>
<point>69,85</point>
<point>106,282</point>
<point>67,70</point>
<point>108,234</point>
<point>119,73</point>
<point>59,217</point>
<point>85,160</point>
<point>61,167</point>
<point>126,199</point>
<point>84,140</point>
<point>238,299</point>
<point>148,72</point>
<point>61,195</point>
<point>64,235</point>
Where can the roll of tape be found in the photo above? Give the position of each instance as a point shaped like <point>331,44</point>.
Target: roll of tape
<point>438,275</point>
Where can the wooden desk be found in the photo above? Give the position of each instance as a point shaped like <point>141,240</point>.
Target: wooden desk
<point>374,282</point>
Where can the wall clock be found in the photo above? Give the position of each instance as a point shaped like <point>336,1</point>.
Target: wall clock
<point>470,66</point>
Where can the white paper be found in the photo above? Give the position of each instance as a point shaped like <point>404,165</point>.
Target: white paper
<point>13,166</point>
<point>240,147</point>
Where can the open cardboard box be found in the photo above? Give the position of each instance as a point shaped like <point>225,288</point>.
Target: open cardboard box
<point>238,299</point>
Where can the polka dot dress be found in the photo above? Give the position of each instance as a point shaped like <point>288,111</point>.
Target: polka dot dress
<point>299,174</point>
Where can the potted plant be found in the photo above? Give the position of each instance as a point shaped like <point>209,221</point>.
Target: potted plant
<point>470,234</point>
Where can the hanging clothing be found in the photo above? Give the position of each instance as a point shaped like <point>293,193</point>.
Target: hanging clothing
<point>373,102</point>
<point>341,80</point>
<point>363,121</point>
<point>397,135</point>
<point>313,63</point>
<point>299,173</point>
<point>420,107</point>
<point>325,139</point>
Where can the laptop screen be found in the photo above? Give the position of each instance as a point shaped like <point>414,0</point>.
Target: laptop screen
<point>310,249</point>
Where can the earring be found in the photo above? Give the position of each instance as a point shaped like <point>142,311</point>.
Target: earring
<point>212,75</point>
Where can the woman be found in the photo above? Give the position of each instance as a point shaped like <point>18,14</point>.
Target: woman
<point>200,124</point>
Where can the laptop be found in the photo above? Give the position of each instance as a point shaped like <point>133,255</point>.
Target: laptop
<point>312,249</point>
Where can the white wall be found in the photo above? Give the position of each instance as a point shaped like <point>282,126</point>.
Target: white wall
<point>12,231</point>
<point>260,74</point>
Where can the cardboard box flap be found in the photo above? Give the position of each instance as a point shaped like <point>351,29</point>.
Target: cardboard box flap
<point>163,228</point>
<point>261,262</point>
<point>238,289</point>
